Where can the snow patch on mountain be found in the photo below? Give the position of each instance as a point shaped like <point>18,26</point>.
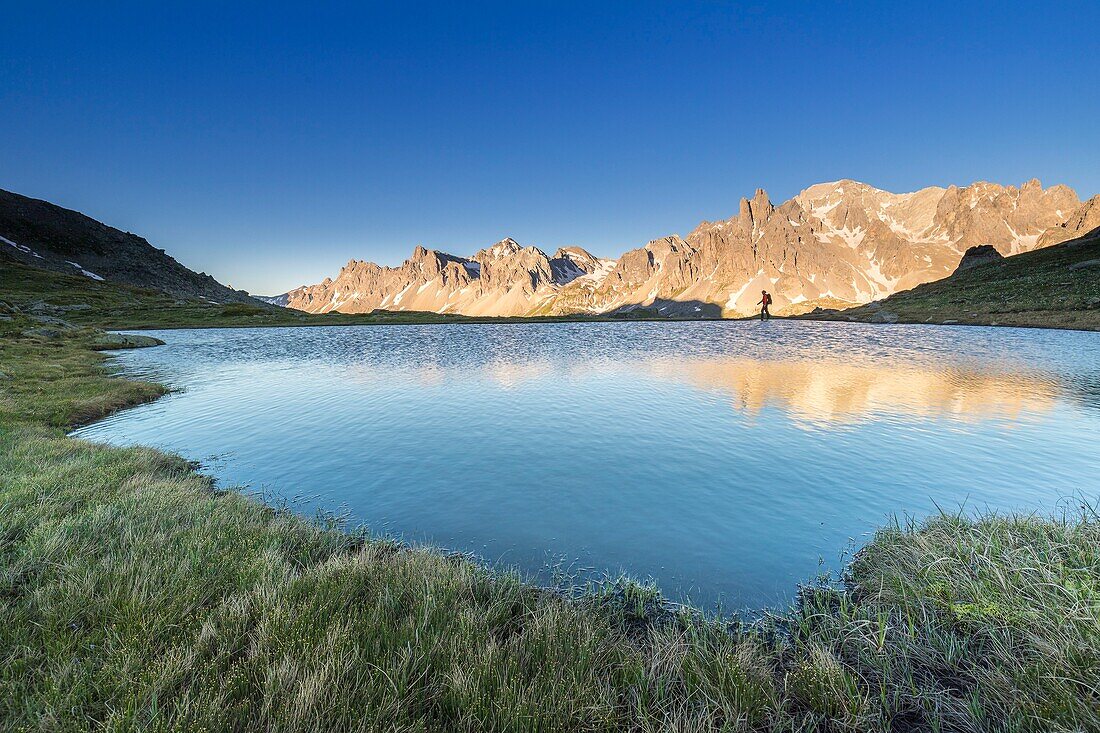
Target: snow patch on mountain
<point>85,273</point>
<point>21,248</point>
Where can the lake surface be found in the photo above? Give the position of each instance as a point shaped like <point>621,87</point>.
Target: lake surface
<point>726,460</point>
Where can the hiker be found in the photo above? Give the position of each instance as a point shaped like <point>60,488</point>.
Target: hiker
<point>765,301</point>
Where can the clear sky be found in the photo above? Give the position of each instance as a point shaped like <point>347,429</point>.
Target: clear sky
<point>267,143</point>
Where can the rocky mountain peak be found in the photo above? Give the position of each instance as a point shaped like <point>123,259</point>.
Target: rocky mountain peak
<point>744,210</point>
<point>579,256</point>
<point>760,208</point>
<point>574,252</point>
<point>504,248</point>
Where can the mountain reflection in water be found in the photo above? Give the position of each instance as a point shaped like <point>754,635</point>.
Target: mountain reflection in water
<point>832,392</point>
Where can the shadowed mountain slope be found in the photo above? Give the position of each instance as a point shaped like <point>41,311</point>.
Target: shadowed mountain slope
<point>40,234</point>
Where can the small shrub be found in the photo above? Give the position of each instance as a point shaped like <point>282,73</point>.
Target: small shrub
<point>821,684</point>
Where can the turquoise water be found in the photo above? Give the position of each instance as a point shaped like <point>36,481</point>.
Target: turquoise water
<point>726,460</point>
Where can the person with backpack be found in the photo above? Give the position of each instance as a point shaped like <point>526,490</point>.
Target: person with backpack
<point>765,301</point>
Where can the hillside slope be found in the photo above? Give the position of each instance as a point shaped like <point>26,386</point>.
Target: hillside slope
<point>41,234</point>
<point>1056,287</point>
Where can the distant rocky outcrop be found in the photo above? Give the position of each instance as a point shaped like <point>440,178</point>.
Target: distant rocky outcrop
<point>1083,220</point>
<point>279,300</point>
<point>833,245</point>
<point>982,254</point>
<point>41,234</point>
<point>502,280</point>
<point>108,341</point>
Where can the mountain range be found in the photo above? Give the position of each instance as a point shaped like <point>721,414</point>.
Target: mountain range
<point>833,245</point>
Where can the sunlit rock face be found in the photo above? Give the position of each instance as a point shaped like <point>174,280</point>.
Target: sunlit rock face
<point>1083,220</point>
<point>505,279</point>
<point>834,244</point>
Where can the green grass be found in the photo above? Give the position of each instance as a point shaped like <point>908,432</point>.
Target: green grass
<point>134,596</point>
<point>1055,287</point>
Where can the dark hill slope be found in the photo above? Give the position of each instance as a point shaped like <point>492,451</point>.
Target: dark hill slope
<point>1056,287</point>
<point>41,234</point>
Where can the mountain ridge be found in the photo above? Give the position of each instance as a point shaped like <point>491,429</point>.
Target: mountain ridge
<point>835,244</point>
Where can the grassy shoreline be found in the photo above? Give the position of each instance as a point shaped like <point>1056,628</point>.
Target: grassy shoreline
<point>135,596</point>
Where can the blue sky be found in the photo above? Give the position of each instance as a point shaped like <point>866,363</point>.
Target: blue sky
<point>269,143</point>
